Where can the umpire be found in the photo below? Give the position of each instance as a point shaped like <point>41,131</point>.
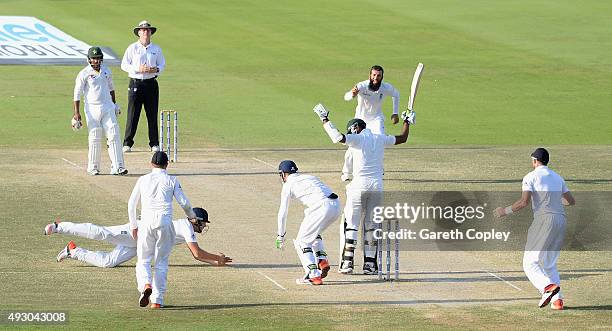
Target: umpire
<point>143,61</point>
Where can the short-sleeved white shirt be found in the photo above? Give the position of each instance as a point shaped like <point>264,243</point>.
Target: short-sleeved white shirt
<point>95,86</point>
<point>184,232</point>
<point>368,152</point>
<point>546,187</point>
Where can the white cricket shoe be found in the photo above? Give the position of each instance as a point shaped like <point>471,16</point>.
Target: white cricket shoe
<point>127,149</point>
<point>346,267</point>
<point>549,291</point>
<point>307,280</point>
<point>345,177</point>
<point>121,172</point>
<point>51,228</point>
<point>155,149</point>
<point>66,252</point>
<point>94,172</point>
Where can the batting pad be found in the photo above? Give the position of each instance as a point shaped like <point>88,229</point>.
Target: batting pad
<point>115,148</point>
<point>95,148</point>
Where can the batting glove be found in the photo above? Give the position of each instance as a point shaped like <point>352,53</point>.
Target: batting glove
<point>409,116</point>
<point>320,110</point>
<point>117,110</point>
<point>280,242</point>
<point>76,124</point>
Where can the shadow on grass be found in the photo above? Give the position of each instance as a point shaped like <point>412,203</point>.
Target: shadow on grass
<point>345,303</point>
<point>602,307</point>
<point>267,173</point>
<point>491,181</point>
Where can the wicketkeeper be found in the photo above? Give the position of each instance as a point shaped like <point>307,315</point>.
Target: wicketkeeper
<point>323,208</point>
<point>369,149</point>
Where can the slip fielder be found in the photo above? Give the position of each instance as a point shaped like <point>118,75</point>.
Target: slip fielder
<point>125,245</point>
<point>368,155</point>
<point>547,192</point>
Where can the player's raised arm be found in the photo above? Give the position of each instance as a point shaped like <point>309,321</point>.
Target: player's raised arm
<point>329,127</point>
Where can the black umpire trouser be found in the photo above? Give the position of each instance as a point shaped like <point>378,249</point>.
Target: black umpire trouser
<point>142,92</point>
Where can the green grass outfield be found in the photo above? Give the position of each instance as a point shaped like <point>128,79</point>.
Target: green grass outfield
<point>247,73</point>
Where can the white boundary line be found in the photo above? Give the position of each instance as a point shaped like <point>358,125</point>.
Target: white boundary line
<point>272,280</point>
<point>264,162</point>
<point>503,280</point>
<point>72,163</point>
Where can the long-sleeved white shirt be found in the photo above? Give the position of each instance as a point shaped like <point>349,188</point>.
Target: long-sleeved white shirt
<point>306,188</point>
<point>368,152</point>
<point>156,191</point>
<point>137,54</point>
<point>94,86</point>
<point>369,103</point>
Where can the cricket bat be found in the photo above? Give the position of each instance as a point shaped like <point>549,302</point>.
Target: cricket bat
<point>415,85</point>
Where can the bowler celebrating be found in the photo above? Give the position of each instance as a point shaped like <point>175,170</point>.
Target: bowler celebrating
<point>548,193</point>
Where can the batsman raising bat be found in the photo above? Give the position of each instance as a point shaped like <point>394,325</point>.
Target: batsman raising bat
<point>323,208</point>
<point>369,149</point>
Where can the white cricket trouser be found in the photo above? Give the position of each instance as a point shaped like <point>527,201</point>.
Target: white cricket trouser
<point>102,119</point>
<point>544,240</point>
<point>362,195</point>
<point>125,248</point>
<point>316,219</point>
<point>155,241</point>
<point>377,126</point>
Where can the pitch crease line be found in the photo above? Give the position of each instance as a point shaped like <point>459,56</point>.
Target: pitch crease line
<point>503,280</point>
<point>264,162</point>
<point>72,163</point>
<point>272,280</point>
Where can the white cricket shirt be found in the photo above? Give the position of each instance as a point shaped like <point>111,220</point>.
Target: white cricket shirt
<point>156,191</point>
<point>308,189</point>
<point>546,188</point>
<point>369,103</point>
<point>94,86</point>
<point>137,54</point>
<point>368,152</point>
<point>184,231</point>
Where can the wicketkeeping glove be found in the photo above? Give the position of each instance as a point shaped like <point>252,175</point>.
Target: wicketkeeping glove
<point>280,242</point>
<point>117,110</point>
<point>320,110</point>
<point>409,116</point>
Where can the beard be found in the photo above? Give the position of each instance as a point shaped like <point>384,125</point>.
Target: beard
<point>374,87</point>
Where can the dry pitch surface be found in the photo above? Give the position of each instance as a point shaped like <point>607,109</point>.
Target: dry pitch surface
<point>240,189</point>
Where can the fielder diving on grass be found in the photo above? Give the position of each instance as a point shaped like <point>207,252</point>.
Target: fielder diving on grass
<point>323,208</point>
<point>368,154</point>
<point>125,245</point>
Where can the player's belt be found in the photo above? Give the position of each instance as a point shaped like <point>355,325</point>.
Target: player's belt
<point>142,80</point>
<point>333,196</point>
